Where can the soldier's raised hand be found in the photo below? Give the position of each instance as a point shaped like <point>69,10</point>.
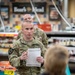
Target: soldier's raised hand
<point>24,56</point>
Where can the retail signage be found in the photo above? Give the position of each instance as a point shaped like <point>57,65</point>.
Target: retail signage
<point>53,14</point>
<point>27,8</point>
<point>4,11</point>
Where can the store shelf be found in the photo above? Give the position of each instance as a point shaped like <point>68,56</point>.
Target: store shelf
<point>4,57</point>
<point>68,40</point>
<point>61,33</point>
<point>6,40</point>
<point>3,34</point>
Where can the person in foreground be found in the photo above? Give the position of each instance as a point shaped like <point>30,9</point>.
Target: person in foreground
<point>55,60</point>
<point>38,33</point>
<point>18,58</point>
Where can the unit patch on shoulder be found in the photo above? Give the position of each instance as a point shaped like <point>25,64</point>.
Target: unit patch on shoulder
<point>10,51</point>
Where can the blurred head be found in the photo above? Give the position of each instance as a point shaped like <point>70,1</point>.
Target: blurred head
<point>28,30</point>
<point>56,59</point>
<point>27,17</point>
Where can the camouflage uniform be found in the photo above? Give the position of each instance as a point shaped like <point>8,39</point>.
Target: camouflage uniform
<point>18,48</point>
<point>39,34</point>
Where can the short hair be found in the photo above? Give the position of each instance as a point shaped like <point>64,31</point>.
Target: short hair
<point>26,22</point>
<point>27,17</point>
<point>56,59</point>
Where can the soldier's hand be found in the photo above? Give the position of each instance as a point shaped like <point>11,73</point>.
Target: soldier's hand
<point>40,59</point>
<point>24,56</point>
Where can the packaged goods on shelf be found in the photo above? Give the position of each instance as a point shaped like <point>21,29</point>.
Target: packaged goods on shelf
<point>5,65</point>
<point>6,68</point>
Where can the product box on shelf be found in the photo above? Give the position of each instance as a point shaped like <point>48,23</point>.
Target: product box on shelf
<point>45,27</point>
<point>6,68</point>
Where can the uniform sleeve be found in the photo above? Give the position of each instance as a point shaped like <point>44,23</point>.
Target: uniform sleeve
<point>14,57</point>
<point>43,49</point>
<point>42,53</point>
<point>44,39</point>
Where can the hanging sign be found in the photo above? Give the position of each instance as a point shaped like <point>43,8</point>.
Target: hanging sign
<point>53,14</point>
<point>4,12</point>
<point>27,8</point>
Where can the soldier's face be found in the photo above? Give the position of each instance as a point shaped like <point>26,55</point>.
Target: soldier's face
<point>28,30</point>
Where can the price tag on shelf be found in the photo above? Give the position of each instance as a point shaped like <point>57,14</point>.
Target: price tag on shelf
<point>8,72</point>
<point>1,34</point>
<point>9,35</point>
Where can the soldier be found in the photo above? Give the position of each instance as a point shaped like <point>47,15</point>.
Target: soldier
<point>38,33</point>
<point>19,55</point>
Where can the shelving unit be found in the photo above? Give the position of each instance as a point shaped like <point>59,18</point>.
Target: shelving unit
<point>68,40</point>
<point>6,40</point>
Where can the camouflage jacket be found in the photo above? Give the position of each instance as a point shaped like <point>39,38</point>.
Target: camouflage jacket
<point>18,48</point>
<point>39,34</point>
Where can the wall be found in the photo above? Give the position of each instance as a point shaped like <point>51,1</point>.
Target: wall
<point>71,8</point>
